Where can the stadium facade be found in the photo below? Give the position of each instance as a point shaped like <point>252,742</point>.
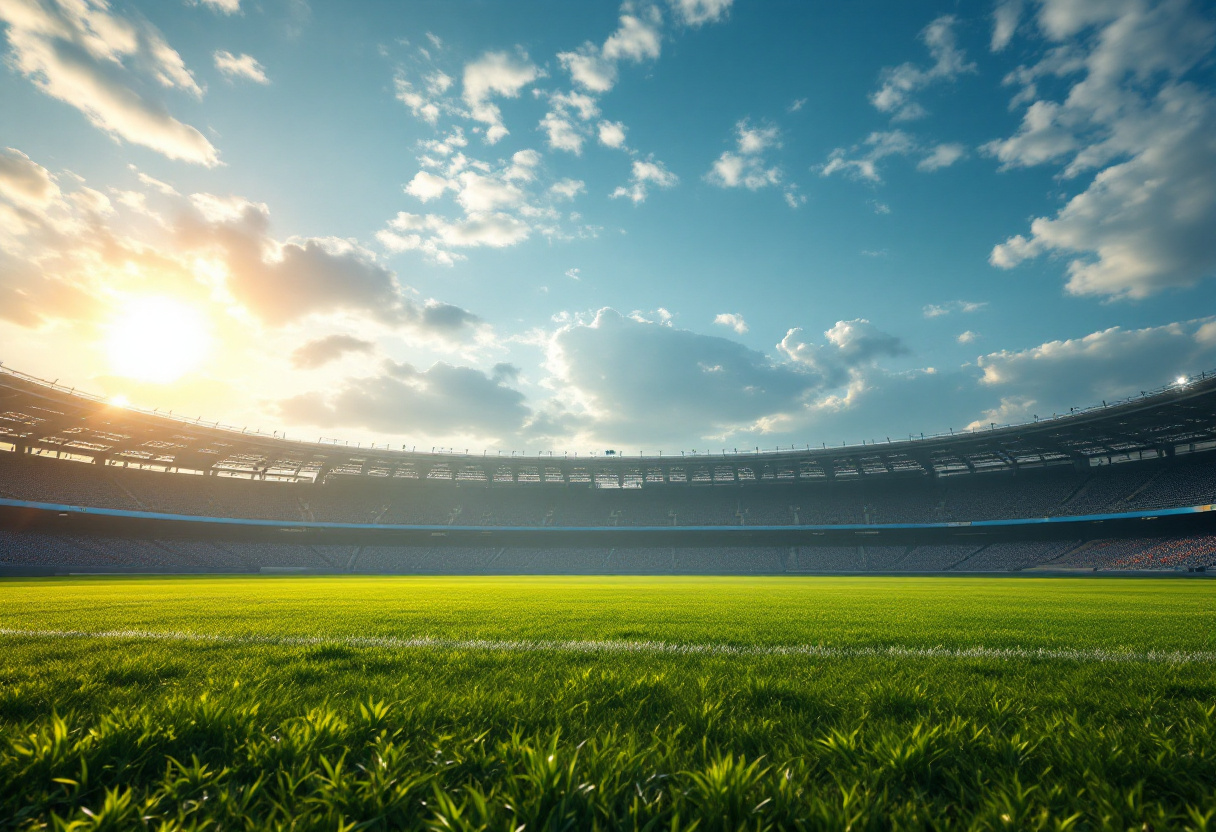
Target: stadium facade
<point>86,486</point>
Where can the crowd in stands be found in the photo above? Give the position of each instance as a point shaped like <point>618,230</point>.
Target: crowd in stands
<point>1144,553</point>
<point>1128,487</point>
<point>82,553</point>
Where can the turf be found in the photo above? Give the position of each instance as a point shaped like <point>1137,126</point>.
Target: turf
<point>569,703</point>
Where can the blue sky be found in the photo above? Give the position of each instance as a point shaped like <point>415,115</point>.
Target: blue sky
<point>672,225</point>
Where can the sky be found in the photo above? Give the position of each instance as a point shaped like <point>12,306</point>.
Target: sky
<point>680,225</point>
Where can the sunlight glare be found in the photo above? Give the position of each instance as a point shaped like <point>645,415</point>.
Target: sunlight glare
<point>157,339</point>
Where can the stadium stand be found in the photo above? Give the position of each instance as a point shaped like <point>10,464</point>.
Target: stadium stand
<point>994,496</point>
<point>72,553</point>
<point>1149,454</point>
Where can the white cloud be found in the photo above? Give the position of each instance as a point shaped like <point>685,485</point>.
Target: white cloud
<point>567,188</point>
<point>563,123</point>
<point>938,310</point>
<point>502,203</point>
<point>284,281</point>
<point>1143,223</point>
<point>796,105</point>
<point>968,337</point>
<point>612,134</point>
<point>241,66</point>
<point>443,402</point>
<point>156,184</point>
<point>638,38</point>
<point>900,83</point>
<point>645,173</point>
<point>747,166</point>
<point>1108,364</point>
<point>625,380</point>
<point>101,63</point>
<point>495,74</point>
<point>426,186</point>
<point>732,320</point>
<point>421,106</point>
<point>584,106</point>
<point>436,236</point>
<point>24,181</point>
<point>223,6</point>
<point>562,134</point>
<point>588,69</point>
<point>594,68</point>
<point>698,12</point>
<point>640,381</point>
<point>877,146</point>
<point>573,274</point>
<point>321,351</point>
<point>1004,23</point>
<point>70,254</point>
<point>941,156</point>
<point>862,161</point>
<point>851,345</point>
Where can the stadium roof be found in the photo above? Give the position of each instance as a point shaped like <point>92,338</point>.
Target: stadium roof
<point>42,418</point>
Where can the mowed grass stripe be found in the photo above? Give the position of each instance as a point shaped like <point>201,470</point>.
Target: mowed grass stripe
<point>609,646</point>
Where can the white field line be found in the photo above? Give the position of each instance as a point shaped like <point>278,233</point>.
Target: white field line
<point>640,647</point>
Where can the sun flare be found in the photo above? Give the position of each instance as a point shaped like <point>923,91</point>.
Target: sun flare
<point>157,339</point>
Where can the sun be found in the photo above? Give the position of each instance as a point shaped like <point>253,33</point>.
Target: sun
<point>157,339</point>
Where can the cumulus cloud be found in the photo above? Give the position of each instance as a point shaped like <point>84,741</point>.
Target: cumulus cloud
<point>1143,222</point>
<point>733,320</point>
<point>321,351</point>
<point>501,204</point>
<point>495,74</point>
<point>443,401</point>
<point>941,156</point>
<point>240,66</point>
<point>611,133</point>
<point>747,166</point>
<point>901,83</point>
<point>638,37</point>
<point>285,281</point>
<point>698,12</point>
<point>968,337</point>
<point>562,134</point>
<point>65,254</point>
<point>1107,364</point>
<point>862,161</point>
<point>567,189</point>
<point>437,236</point>
<point>588,69</point>
<point>109,67</point>
<point>623,379</point>
<point>568,123</point>
<point>1004,23</point>
<point>851,345</point>
<point>24,180</point>
<point>644,174</point>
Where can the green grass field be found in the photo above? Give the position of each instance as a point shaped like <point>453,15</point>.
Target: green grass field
<point>638,703</point>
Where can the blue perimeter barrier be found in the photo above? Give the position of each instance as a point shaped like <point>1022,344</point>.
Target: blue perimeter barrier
<point>307,524</point>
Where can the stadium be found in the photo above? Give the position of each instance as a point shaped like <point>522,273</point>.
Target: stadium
<point>89,487</point>
<point>408,238</point>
